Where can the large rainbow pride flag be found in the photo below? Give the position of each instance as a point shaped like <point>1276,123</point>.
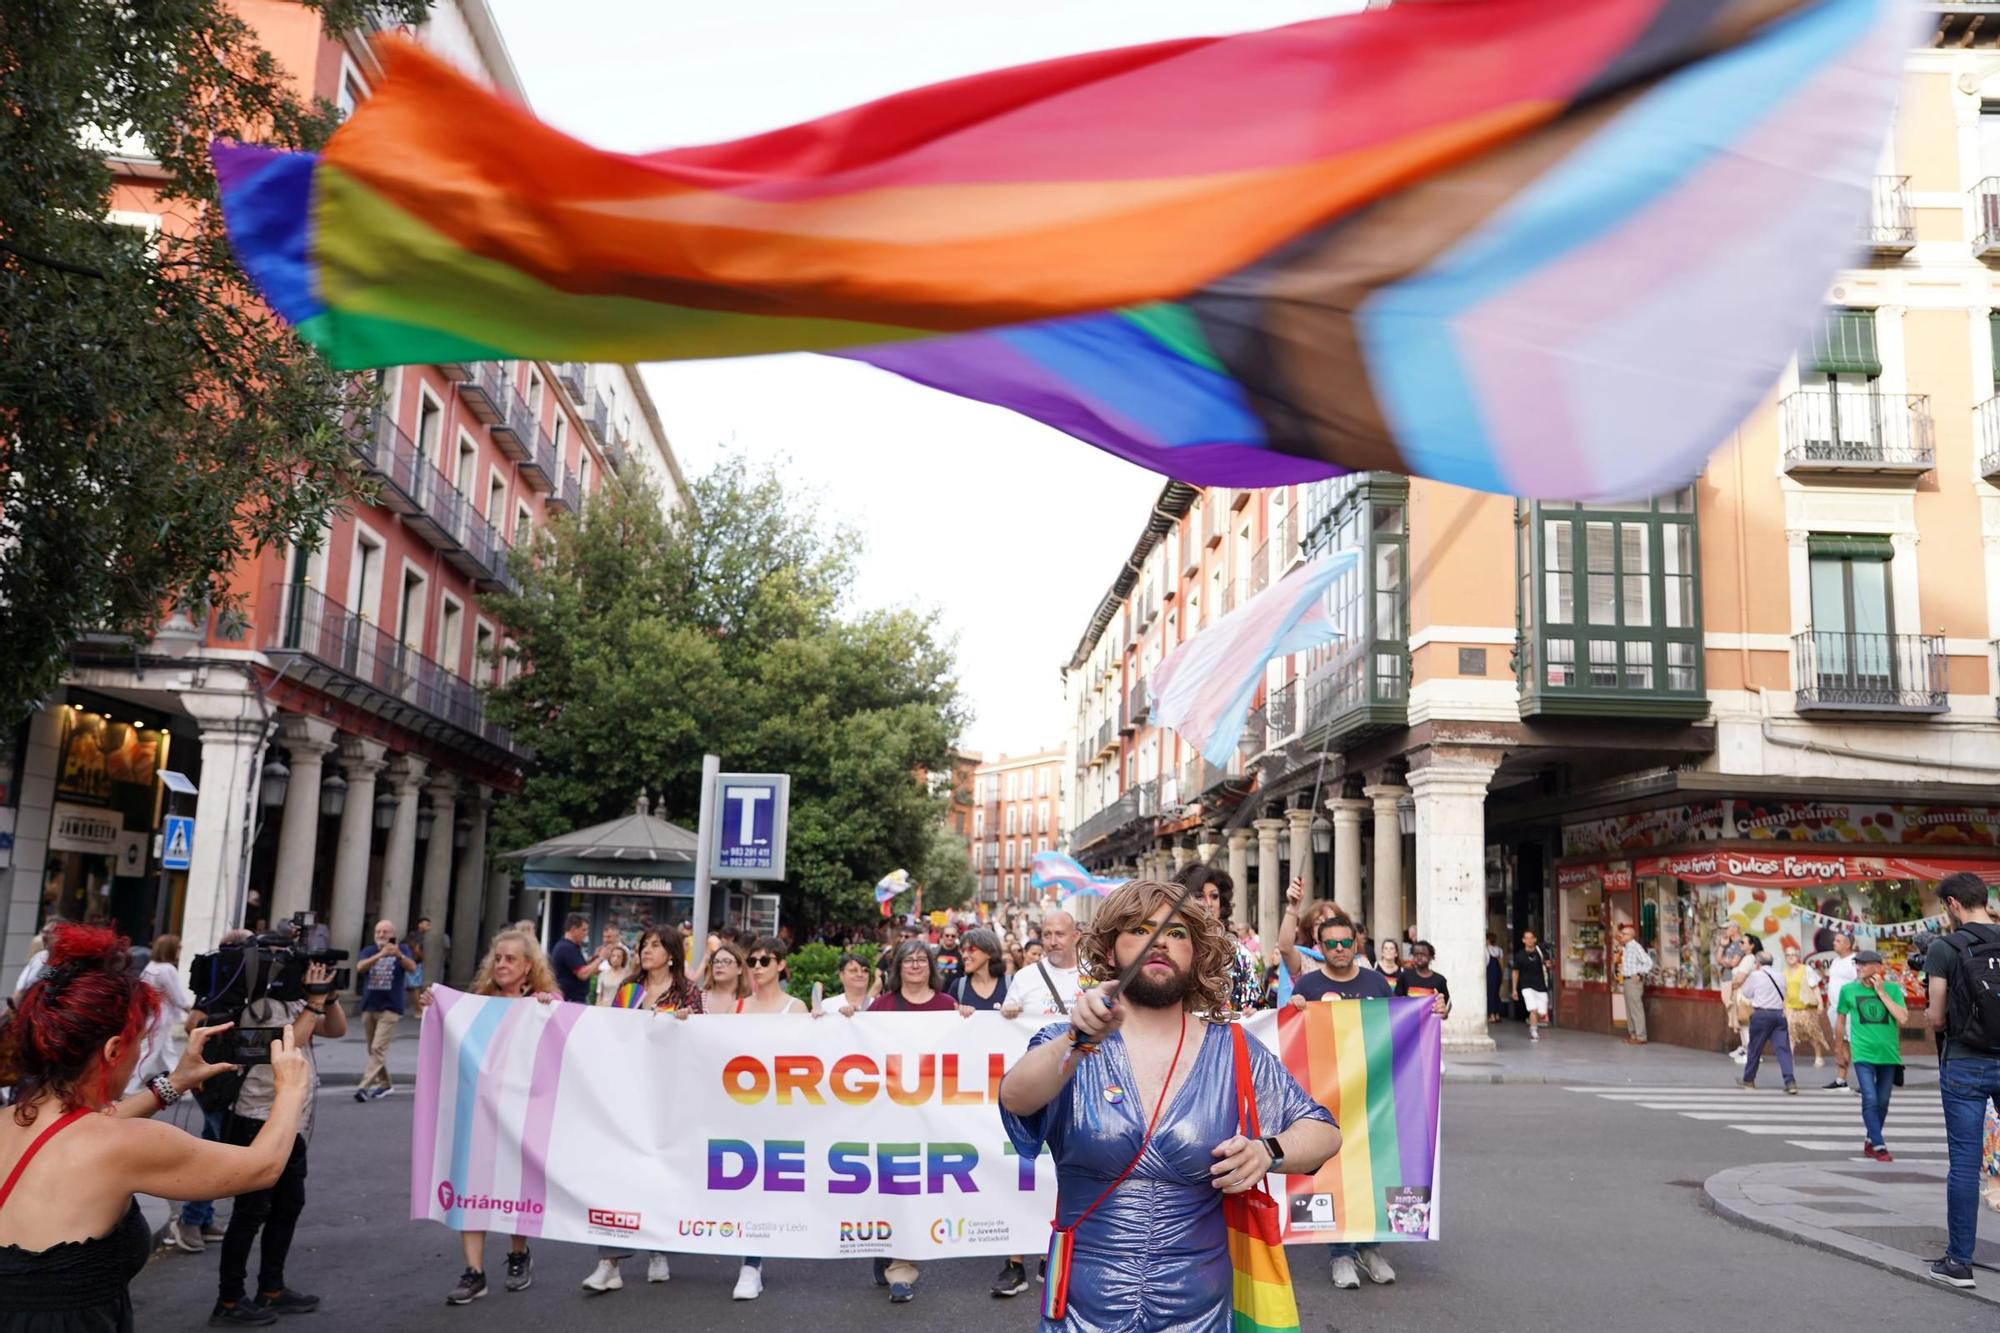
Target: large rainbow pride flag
<point>1378,1068</point>
<point>1545,247</point>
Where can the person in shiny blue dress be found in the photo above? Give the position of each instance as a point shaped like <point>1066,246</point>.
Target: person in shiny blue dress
<point>1152,1254</point>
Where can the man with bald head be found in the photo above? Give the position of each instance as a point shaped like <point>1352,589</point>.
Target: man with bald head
<point>385,973</point>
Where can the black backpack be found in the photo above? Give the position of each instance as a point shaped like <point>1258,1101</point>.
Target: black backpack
<point>1973,997</point>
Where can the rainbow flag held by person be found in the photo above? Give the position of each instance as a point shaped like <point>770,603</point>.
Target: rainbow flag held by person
<point>890,886</point>
<point>1555,248</point>
<point>1203,688</point>
<point>1376,1065</point>
<point>1055,870</point>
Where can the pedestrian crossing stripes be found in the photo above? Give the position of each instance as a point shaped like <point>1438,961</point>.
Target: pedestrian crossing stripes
<point>1820,1120</point>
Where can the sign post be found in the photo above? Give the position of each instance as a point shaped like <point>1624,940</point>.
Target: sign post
<point>704,836</point>
<point>751,811</point>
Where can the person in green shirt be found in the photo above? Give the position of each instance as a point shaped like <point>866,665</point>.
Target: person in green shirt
<point>1875,1014</point>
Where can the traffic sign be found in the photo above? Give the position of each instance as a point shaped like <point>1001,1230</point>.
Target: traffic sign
<point>751,810</point>
<point>177,842</point>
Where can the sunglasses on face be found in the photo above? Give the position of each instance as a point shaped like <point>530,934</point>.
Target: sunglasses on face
<point>1330,942</point>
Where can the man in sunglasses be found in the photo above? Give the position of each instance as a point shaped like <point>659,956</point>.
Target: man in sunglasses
<point>1340,976</point>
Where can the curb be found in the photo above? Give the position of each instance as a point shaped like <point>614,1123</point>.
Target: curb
<point>1722,1195</point>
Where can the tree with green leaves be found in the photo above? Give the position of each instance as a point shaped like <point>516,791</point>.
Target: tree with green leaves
<point>650,638</point>
<point>157,423</point>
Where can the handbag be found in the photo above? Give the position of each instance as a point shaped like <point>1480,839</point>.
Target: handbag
<point>1264,1299</point>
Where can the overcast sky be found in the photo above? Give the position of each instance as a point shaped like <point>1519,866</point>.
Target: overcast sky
<point>1010,529</point>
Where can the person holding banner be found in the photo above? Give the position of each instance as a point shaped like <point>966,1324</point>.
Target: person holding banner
<point>983,983</point>
<point>917,991</point>
<point>1094,1090</point>
<point>855,977</point>
<point>515,966</point>
<point>766,963</point>
<point>725,979</point>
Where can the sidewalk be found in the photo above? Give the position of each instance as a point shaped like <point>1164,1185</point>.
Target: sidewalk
<point>1564,1056</point>
<point>1889,1216</point>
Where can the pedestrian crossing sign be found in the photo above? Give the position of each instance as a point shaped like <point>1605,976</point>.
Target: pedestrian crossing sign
<point>177,842</point>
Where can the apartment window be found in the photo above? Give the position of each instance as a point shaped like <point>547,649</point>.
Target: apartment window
<point>451,634</point>
<point>430,425</point>
<point>1010,886</point>
<point>468,465</point>
<point>496,500</point>
<point>410,612</point>
<point>1042,818</point>
<point>1852,608</point>
<point>562,425</point>
<point>364,577</point>
<point>482,653</point>
<point>1010,788</point>
<point>534,396</point>
<point>1010,819</point>
<point>1042,782</point>
<point>522,525</point>
<point>1361,681</point>
<point>583,476</point>
<point>1839,415</point>
<point>1610,608</point>
<point>351,93</point>
<point>978,824</point>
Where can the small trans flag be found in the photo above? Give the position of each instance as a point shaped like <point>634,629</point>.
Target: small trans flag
<point>1056,870</point>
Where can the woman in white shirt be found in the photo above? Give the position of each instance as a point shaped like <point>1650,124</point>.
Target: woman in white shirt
<point>160,1049</point>
<point>855,976</point>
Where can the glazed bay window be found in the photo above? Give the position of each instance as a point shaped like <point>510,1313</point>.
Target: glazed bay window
<point>1360,684</point>
<point>1610,609</point>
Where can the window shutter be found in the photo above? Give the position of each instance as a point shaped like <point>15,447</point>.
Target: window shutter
<point>1844,344</point>
<point>1858,547</point>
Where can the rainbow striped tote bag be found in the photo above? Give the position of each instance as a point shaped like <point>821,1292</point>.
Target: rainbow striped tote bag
<point>1264,1301</point>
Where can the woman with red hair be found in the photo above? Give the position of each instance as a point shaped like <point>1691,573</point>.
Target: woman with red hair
<point>72,1157</point>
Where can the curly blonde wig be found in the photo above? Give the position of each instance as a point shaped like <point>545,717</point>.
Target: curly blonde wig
<point>541,976</point>
<point>1134,904</point>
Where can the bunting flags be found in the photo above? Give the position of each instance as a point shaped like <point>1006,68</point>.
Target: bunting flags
<point>1556,249</point>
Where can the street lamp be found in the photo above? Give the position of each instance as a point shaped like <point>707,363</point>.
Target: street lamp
<point>277,781</point>
<point>1406,815</point>
<point>333,796</point>
<point>1322,837</point>
<point>461,833</point>
<point>178,635</point>
<point>385,811</point>
<point>426,817</point>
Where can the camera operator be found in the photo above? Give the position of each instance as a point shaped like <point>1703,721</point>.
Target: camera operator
<point>1963,986</point>
<point>274,1208</point>
<point>71,1234</point>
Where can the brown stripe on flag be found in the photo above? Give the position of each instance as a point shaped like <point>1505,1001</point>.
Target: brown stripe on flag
<point>1285,328</point>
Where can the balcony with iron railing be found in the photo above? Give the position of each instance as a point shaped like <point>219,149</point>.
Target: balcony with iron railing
<point>1234,594</point>
<point>1840,432</point>
<point>1892,226</point>
<point>1199,778</point>
<point>1845,672</point>
<point>540,468</point>
<point>1986,425</point>
<point>486,392</point>
<point>1107,737</point>
<point>570,374</point>
<point>1280,715</point>
<point>342,655</point>
<point>1986,218</point>
<point>600,420</point>
<point>514,432</point>
<point>1260,569</point>
<point>431,507</point>
<point>1140,703</point>
<point>563,496</point>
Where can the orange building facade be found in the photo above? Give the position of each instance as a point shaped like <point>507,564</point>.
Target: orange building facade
<point>337,741</point>
<point>1017,811</point>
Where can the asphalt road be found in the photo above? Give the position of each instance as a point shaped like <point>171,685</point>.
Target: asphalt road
<point>1561,1211</point>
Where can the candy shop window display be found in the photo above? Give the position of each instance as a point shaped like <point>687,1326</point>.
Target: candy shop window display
<point>1583,918</point>
<point>1685,920</point>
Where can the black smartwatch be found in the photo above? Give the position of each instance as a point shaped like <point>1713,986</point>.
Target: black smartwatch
<point>1272,1147</point>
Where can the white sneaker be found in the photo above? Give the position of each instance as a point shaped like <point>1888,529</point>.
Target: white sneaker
<point>1819,1062</point>
<point>1375,1266</point>
<point>604,1277</point>
<point>749,1284</point>
<point>1739,1055</point>
<point>1344,1275</point>
<point>657,1270</point>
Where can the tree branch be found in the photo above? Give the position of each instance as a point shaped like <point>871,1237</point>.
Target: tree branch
<point>50,261</point>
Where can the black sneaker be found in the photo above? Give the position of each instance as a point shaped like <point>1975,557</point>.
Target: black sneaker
<point>1947,1270</point>
<point>240,1314</point>
<point>520,1271</point>
<point>471,1286</point>
<point>1013,1280</point>
<point>286,1302</point>
<point>1837,1083</point>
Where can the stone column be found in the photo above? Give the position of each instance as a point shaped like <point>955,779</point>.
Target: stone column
<point>1301,822</point>
<point>1270,893</point>
<point>1385,915</point>
<point>468,932</point>
<point>1239,867</point>
<point>1451,883</point>
<point>361,761</point>
<point>1206,849</point>
<point>233,730</point>
<point>1348,815</point>
<point>309,740</point>
<point>436,901</point>
<point>399,858</point>
<point>1183,858</point>
<point>499,886</point>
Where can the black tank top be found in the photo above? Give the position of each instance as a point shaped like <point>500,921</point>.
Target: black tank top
<point>78,1286</point>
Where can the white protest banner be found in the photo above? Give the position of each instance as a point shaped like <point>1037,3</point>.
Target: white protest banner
<point>789,1136</point>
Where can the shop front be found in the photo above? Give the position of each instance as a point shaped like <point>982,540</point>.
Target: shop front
<point>1791,874</point>
<point>633,872</point>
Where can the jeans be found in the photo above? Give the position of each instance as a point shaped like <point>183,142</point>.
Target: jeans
<point>1965,1084</point>
<point>1341,1249</point>
<point>201,1212</point>
<point>1875,1083</point>
<point>1768,1025</point>
<point>276,1210</point>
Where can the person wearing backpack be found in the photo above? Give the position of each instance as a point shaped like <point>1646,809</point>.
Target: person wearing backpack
<point>1963,968</point>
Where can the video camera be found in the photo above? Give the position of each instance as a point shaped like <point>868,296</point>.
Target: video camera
<point>271,966</point>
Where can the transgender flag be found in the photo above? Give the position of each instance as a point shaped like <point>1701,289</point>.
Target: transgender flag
<point>1055,870</point>
<point>1203,689</point>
